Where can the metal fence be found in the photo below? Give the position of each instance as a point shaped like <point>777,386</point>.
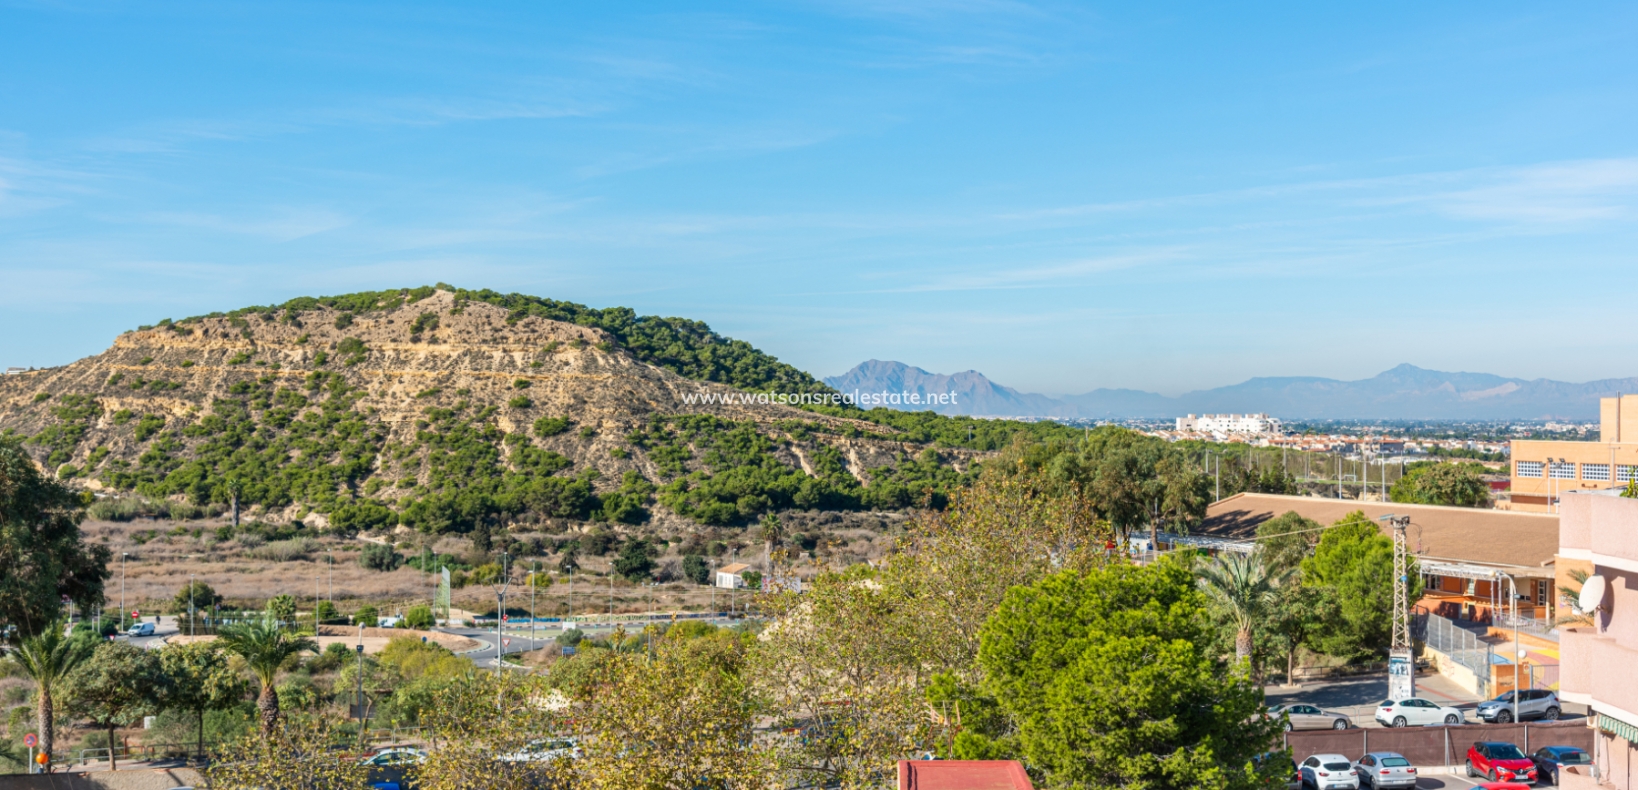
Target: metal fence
<point>1462,645</point>
<point>1445,746</point>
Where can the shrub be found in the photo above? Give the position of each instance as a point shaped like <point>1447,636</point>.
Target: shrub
<point>283,550</point>
<point>550,426</point>
<point>344,320</point>
<point>696,569</point>
<point>378,557</point>
<point>418,617</point>
<point>148,426</point>
<point>366,615</point>
<point>239,359</point>
<point>520,402</point>
<point>588,432</point>
<point>423,323</point>
<point>187,363</point>
<point>521,384</point>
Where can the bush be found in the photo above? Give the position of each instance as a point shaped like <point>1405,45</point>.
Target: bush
<point>520,402</point>
<point>695,569</point>
<point>283,550</point>
<point>361,517</point>
<point>378,557</point>
<point>550,426</point>
<point>366,616</point>
<point>571,637</point>
<point>419,617</point>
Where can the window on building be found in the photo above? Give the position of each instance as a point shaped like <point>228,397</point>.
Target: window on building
<point>1529,468</point>
<point>1595,471</point>
<point>1561,470</point>
<point>1541,592</point>
<point>1626,474</point>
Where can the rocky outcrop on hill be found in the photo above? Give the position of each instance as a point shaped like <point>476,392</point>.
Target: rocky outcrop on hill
<point>444,412</point>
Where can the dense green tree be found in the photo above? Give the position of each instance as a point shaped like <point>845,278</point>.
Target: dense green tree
<point>1354,560</point>
<point>1109,680</point>
<point>634,564</point>
<point>380,557</point>
<point>366,616</point>
<point>115,687</point>
<point>200,681</point>
<point>282,608</point>
<point>1441,484</point>
<point>1129,479</point>
<point>41,549</point>
<point>419,616</point>
<point>48,658</point>
<point>696,569</point>
<point>1286,540</point>
<point>265,646</point>
<point>201,596</point>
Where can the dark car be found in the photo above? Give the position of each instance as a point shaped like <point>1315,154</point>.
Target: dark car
<point>1549,758</point>
<point>1499,761</point>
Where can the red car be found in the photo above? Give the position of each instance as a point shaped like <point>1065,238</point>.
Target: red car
<point>1498,761</point>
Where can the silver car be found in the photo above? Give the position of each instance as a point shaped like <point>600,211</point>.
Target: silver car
<point>1382,770</point>
<point>1302,716</point>
<point>1533,704</point>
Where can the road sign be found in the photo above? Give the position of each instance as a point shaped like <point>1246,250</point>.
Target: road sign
<point>506,641</point>
<point>31,740</point>
<point>136,615</point>
<point>504,618</point>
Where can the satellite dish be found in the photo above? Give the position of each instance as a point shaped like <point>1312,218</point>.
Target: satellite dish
<point>1592,594</point>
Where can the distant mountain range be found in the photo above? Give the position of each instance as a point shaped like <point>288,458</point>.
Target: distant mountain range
<point>1406,392</point>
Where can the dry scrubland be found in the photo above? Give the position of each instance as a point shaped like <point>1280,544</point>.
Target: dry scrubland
<point>164,554</point>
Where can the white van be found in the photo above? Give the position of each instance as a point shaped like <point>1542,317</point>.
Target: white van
<point>141,629</point>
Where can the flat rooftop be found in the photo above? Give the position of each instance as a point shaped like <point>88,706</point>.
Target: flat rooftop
<point>1447,534</point>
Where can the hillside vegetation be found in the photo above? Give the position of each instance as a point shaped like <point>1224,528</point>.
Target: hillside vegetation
<point>448,410</point>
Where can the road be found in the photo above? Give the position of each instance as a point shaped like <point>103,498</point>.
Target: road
<point>1358,697</point>
<point>520,640</point>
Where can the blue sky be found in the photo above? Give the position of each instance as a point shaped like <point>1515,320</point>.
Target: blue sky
<point>1164,196</point>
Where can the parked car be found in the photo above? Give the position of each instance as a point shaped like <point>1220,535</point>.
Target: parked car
<point>1499,761</point>
<point>398,755</point>
<point>1329,772</point>
<point>140,629</point>
<point>1415,711</point>
<point>544,750</point>
<point>1533,704</point>
<point>1301,716</point>
<point>1549,758</point>
<point>1382,770</point>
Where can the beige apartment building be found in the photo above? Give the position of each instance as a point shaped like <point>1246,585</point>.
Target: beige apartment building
<point>1598,653</point>
<point>1543,471</point>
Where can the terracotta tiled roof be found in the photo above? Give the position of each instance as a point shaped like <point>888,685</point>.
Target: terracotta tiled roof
<point>738,567</point>
<point>963,775</point>
<point>1451,534</point>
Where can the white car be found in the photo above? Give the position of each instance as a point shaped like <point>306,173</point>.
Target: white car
<point>1415,712</point>
<point>140,629</point>
<point>399,755</point>
<point>1329,772</point>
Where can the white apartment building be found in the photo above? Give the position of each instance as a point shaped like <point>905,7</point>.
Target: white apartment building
<point>1229,423</point>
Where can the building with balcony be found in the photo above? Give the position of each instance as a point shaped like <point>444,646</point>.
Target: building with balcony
<point>1544,470</point>
<point>1598,536</point>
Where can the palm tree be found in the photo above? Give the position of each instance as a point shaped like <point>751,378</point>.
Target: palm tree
<point>265,647</point>
<point>47,659</point>
<point>1240,585</point>
<point>1569,598</point>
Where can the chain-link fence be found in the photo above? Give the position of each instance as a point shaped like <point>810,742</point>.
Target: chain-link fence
<point>1463,646</point>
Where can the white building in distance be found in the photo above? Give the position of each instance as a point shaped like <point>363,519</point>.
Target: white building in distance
<point>1230,423</point>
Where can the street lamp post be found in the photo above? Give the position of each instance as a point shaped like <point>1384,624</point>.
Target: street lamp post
<point>122,556</point>
<point>500,612</point>
<point>190,605</point>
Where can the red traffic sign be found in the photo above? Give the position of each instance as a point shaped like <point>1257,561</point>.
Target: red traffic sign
<point>506,641</point>
<point>135,614</point>
<point>504,618</point>
<point>31,740</point>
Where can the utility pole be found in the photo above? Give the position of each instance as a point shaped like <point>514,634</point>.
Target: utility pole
<point>190,605</point>
<point>122,609</point>
<point>533,569</point>
<point>359,693</point>
<point>1401,658</point>
<point>500,611</point>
